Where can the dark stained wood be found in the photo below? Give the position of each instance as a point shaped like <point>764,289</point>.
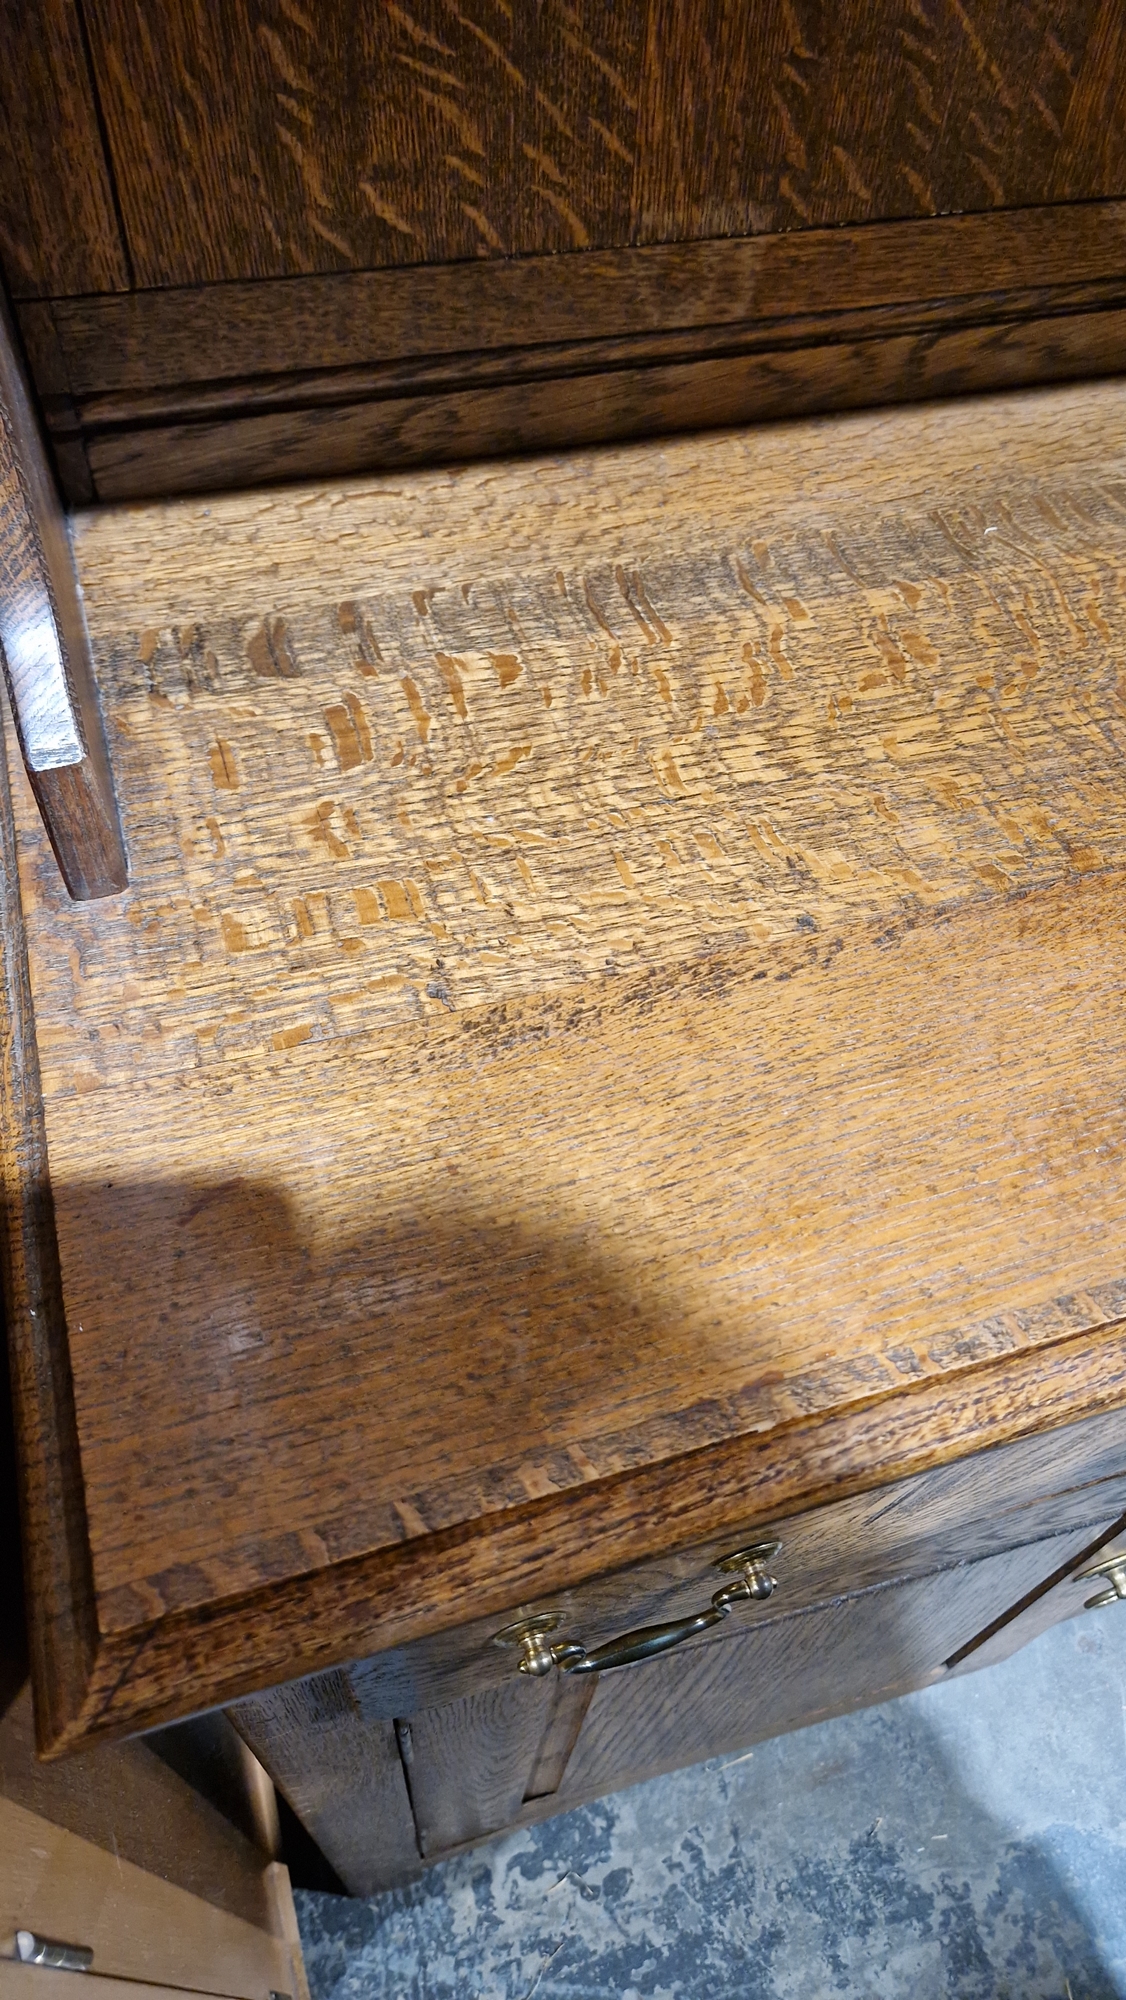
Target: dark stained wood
<point>177,390</point>
<point>469,1762</point>
<point>342,1775</point>
<point>779,1088</point>
<point>805,112</point>
<point>714,1699</point>
<point>46,656</point>
<point>239,151</point>
<point>249,332</point>
<point>61,1618</point>
<point>451,136</point>
<point>473,1767</point>
<point>579,408</point>
<point>58,226</point>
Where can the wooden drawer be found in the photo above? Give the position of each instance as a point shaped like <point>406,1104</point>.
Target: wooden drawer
<point>1073,1591</point>
<point>406,1754</point>
<point>975,1507</point>
<point>382,1797</point>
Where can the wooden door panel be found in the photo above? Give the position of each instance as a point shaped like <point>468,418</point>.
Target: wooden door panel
<point>723,1695</point>
<point>468,1762</point>
<point>379,136</point>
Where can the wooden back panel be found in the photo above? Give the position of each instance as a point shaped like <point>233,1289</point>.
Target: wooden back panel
<point>244,167</point>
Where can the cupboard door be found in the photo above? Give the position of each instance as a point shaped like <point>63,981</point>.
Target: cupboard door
<point>468,1761</point>
<point>864,1648</point>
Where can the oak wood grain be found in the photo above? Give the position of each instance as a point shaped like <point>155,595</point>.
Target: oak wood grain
<point>790,115</point>
<point>1068,1597</point>
<point>343,1776</point>
<point>452,136</point>
<point>714,1699</point>
<point>321,375</point>
<point>248,332</point>
<point>308,437</point>
<point>58,223</point>
<point>255,144</point>
<point>617,1012</point>
<point>469,1762</point>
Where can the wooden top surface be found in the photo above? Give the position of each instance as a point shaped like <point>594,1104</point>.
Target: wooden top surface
<point>624,955</point>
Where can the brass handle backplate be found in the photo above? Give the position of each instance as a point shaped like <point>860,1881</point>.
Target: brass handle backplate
<point>539,1653</point>
<point>1111,1572</point>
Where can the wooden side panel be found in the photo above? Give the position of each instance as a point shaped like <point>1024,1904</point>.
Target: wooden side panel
<point>128,1801</point>
<point>138,1926</point>
<point>721,1696</point>
<point>58,225</point>
<point>262,141</point>
<point>342,1775</point>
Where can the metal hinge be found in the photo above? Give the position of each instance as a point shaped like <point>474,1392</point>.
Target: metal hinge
<point>35,1950</point>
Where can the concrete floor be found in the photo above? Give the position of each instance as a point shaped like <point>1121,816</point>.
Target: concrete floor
<point>969,1840</point>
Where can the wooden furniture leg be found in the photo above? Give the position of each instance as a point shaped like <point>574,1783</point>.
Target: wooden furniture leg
<point>46,653</point>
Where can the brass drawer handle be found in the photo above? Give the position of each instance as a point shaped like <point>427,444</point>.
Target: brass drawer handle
<point>1112,1571</point>
<point>539,1654</point>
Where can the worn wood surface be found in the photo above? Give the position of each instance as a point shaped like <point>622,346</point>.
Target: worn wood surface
<point>59,230</point>
<point>624,957</point>
<point>208,387</point>
<point>139,1927</point>
<point>45,654</point>
<point>239,152</point>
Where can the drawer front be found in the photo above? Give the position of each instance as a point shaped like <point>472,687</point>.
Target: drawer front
<point>958,1512</point>
<point>385,1797</point>
<point>861,1649</point>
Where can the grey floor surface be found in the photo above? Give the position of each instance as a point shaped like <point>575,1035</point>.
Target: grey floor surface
<point>969,1840</point>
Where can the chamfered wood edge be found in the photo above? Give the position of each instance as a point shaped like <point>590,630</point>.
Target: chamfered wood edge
<point>306,1624</point>
<point>46,651</point>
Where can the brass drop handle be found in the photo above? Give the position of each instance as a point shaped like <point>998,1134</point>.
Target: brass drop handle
<point>751,1579</point>
<point>1113,1570</point>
